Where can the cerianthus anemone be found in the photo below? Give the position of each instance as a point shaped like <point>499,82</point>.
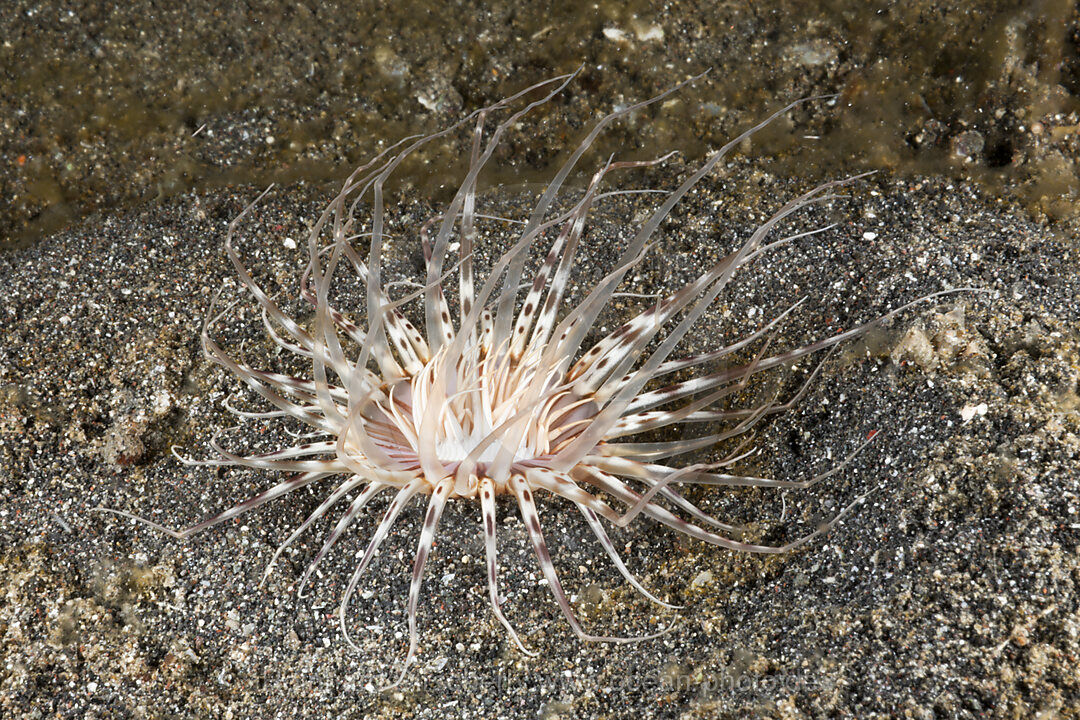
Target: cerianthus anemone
<point>505,389</point>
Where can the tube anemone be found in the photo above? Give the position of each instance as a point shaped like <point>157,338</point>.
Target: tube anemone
<point>503,392</point>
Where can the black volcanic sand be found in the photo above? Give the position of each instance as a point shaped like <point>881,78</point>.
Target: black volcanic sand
<point>950,592</point>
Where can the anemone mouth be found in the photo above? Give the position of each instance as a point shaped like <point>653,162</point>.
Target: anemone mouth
<point>478,416</point>
<point>504,395</point>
